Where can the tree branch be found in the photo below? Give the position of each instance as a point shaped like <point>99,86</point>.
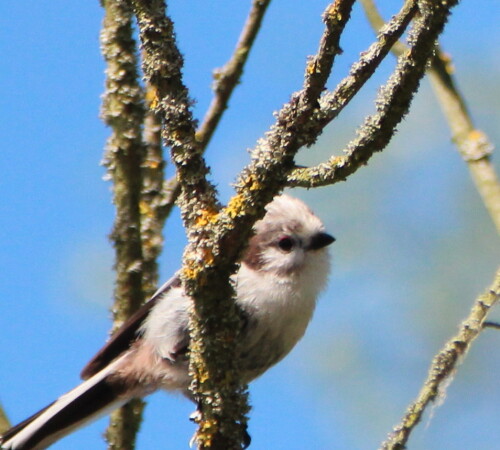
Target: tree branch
<point>152,203</point>
<point>228,77</point>
<point>295,126</point>
<point>471,143</point>
<point>443,366</point>
<point>377,23</point>
<point>332,103</point>
<point>226,80</point>
<point>123,111</point>
<point>162,64</point>
<point>392,103</point>
<point>494,325</point>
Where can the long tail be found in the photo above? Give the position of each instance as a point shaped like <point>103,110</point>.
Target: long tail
<point>88,401</point>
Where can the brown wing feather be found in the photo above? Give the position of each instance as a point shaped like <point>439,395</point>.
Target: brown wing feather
<point>121,340</point>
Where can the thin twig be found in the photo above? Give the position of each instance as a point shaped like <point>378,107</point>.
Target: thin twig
<point>332,103</point>
<point>226,80</point>
<point>495,325</point>
<point>123,111</point>
<point>392,102</point>
<point>296,124</point>
<point>228,77</point>
<point>471,143</point>
<point>443,366</point>
<point>377,22</point>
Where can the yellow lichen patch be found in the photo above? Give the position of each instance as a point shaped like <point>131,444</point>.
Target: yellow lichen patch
<point>190,273</point>
<point>311,67</point>
<point>208,256</point>
<point>333,13</point>
<point>476,135</point>
<point>206,217</point>
<point>235,205</point>
<point>193,269</point>
<point>252,183</point>
<point>337,160</point>
<point>203,376</point>
<point>145,209</point>
<point>209,424</point>
<point>151,164</point>
<point>152,97</point>
<point>207,428</point>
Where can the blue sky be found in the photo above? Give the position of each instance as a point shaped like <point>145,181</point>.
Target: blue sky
<point>414,245</point>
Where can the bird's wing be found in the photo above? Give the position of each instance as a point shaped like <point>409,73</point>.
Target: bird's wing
<point>121,340</point>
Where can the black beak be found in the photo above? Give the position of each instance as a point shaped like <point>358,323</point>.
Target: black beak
<point>321,240</point>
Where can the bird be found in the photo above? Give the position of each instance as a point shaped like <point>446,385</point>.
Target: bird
<point>282,272</point>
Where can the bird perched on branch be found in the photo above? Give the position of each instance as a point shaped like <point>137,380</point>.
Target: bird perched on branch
<point>284,268</point>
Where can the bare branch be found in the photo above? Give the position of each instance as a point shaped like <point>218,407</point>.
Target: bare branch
<point>472,143</point>
<point>444,365</point>
<point>295,125</point>
<point>334,102</point>
<point>377,22</point>
<point>152,204</point>
<point>495,325</point>
<point>228,77</point>
<point>392,102</point>
<point>123,111</point>
<point>162,64</point>
<point>226,80</point>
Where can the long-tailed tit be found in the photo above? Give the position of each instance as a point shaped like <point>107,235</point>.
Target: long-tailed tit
<point>283,270</point>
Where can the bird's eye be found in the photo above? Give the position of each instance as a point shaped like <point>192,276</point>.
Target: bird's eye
<point>286,243</point>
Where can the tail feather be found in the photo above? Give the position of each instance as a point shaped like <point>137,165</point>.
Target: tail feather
<point>88,401</point>
<point>11,432</point>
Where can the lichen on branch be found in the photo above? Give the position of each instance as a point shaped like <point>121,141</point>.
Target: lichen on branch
<point>135,168</point>
<point>392,103</point>
<point>444,365</point>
